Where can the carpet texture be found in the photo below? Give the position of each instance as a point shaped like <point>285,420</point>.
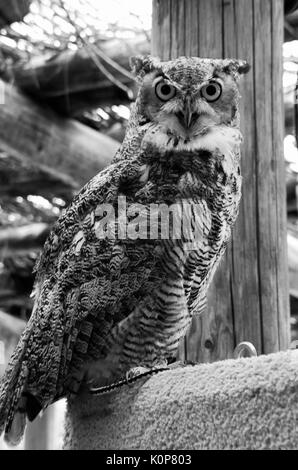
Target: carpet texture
<point>234,404</point>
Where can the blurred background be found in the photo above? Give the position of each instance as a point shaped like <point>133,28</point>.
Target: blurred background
<point>65,94</point>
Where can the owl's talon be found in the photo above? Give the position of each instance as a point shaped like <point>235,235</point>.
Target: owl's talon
<point>135,372</point>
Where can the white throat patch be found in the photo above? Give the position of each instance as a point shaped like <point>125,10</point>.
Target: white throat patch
<point>220,138</point>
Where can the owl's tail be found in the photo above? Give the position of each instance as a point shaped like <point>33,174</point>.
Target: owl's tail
<point>12,399</point>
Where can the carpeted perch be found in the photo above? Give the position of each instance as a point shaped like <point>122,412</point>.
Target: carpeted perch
<point>234,404</point>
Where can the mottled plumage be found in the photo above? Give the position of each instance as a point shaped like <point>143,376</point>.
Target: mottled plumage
<point>121,302</point>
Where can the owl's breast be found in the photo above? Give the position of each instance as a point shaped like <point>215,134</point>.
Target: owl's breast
<point>172,176</point>
<point>180,194</point>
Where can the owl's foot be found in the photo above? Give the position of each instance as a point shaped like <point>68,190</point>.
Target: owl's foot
<point>135,372</point>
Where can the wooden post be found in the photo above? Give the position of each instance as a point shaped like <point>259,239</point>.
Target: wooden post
<point>248,299</point>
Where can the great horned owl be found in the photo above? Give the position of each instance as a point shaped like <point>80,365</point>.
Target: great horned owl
<point>121,301</point>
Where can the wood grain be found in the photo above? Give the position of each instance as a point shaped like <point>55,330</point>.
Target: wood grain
<point>245,274</point>
<point>282,279</point>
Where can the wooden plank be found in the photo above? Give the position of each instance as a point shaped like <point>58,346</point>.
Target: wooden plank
<point>266,169</point>
<point>161,29</point>
<point>45,138</point>
<point>191,34</point>
<point>211,335</point>
<point>279,188</point>
<point>229,37</point>
<point>245,276</point>
<point>210,28</point>
<point>179,26</point>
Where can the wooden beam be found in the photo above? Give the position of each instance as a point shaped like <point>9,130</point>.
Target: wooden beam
<point>10,326</point>
<point>72,82</point>
<point>14,10</point>
<point>249,296</point>
<point>16,240</point>
<point>45,138</point>
<point>236,404</point>
<point>20,177</point>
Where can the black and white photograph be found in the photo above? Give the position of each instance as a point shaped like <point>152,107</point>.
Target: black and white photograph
<point>148,227</point>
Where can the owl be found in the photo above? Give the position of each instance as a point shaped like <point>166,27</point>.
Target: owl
<point>128,264</point>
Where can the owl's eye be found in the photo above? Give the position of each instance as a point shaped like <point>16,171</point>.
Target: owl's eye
<point>164,91</point>
<point>212,91</point>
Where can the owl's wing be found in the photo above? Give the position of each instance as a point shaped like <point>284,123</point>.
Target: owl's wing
<point>84,286</point>
<point>202,261</point>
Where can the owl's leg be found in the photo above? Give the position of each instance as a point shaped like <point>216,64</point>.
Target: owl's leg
<point>101,372</point>
<point>144,340</point>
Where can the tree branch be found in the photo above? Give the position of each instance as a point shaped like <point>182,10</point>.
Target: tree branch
<point>44,138</point>
<point>23,239</point>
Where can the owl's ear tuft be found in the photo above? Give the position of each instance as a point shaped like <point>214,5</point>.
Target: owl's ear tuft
<point>141,65</point>
<point>243,67</point>
<point>234,66</point>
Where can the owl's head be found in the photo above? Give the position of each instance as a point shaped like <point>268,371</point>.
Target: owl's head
<point>182,101</point>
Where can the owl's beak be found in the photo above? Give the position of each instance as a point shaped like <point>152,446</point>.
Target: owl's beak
<point>187,117</point>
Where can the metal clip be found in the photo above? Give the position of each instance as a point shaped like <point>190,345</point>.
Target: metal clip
<point>245,349</point>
